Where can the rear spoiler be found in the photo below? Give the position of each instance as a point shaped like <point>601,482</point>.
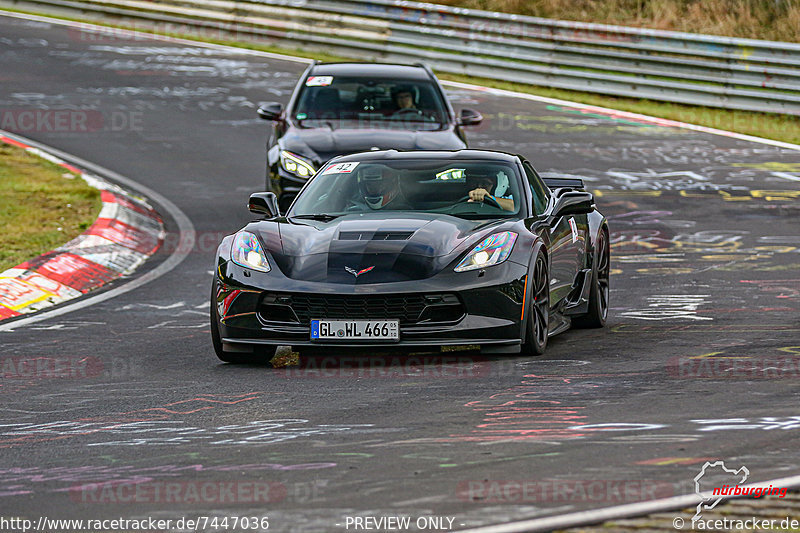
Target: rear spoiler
<point>563,183</point>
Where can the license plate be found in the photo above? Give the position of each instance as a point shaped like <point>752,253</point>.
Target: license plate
<point>365,330</point>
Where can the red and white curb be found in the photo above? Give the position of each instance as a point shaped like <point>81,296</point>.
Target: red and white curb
<point>127,231</point>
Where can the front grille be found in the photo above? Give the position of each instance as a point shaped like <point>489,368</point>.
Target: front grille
<point>407,308</point>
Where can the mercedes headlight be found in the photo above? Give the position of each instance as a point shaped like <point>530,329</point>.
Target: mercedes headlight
<point>492,250</point>
<point>294,164</point>
<point>247,252</point>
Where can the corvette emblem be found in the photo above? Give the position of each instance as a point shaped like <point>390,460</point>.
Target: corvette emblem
<point>357,273</point>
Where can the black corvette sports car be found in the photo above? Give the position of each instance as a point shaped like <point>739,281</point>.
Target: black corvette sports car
<point>413,249</point>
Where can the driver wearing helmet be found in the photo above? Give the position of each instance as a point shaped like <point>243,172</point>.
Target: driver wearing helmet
<point>482,183</point>
<point>379,186</point>
<point>403,97</point>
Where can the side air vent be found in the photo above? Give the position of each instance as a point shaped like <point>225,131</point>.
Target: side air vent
<point>375,236</point>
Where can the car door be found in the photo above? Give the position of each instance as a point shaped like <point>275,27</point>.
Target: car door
<point>567,241</point>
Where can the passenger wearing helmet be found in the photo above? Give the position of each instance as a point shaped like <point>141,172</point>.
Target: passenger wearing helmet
<point>482,183</point>
<point>379,187</point>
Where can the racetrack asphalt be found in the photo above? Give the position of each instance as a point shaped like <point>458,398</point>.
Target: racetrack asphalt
<point>700,360</point>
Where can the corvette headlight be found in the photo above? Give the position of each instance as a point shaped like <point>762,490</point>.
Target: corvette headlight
<point>492,250</point>
<point>296,165</point>
<point>247,252</point>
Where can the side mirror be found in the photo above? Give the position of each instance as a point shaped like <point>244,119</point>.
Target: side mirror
<point>572,203</point>
<point>264,203</point>
<point>270,111</point>
<point>469,117</point>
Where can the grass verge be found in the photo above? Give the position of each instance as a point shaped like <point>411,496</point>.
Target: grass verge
<point>42,206</point>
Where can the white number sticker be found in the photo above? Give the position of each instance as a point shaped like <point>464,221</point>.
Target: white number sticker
<point>341,168</point>
<point>319,81</point>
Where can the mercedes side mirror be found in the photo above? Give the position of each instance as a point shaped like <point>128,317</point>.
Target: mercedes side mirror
<point>469,117</point>
<point>270,111</point>
<point>264,203</point>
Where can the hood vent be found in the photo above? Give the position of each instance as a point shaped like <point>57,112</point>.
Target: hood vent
<point>375,235</point>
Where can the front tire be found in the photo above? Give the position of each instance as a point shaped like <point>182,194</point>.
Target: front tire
<point>259,355</point>
<point>599,289</point>
<point>537,327</point>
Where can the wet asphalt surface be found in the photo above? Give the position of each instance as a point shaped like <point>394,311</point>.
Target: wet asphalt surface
<point>700,359</point>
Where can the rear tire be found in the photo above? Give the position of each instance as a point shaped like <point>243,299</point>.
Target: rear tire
<point>261,354</point>
<point>599,289</point>
<point>537,326</point>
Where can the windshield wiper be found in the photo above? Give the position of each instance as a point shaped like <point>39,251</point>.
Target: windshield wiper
<point>324,217</point>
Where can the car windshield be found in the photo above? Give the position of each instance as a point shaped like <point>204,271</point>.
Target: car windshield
<point>472,189</point>
<point>348,102</point>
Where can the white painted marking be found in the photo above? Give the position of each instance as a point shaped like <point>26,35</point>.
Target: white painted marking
<point>45,155</point>
<point>153,306</point>
<point>622,114</point>
<point>160,324</point>
<point>66,325</point>
<point>786,175</point>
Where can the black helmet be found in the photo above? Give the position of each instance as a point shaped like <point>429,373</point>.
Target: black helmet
<point>375,183</point>
<point>481,176</point>
<point>403,89</point>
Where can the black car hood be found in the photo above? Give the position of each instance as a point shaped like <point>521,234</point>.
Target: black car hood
<point>371,248</point>
<point>321,144</point>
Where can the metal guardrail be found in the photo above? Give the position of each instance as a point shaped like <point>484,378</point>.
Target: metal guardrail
<point>695,69</point>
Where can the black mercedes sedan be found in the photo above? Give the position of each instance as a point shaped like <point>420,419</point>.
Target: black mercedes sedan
<point>342,108</point>
<point>412,250</point>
